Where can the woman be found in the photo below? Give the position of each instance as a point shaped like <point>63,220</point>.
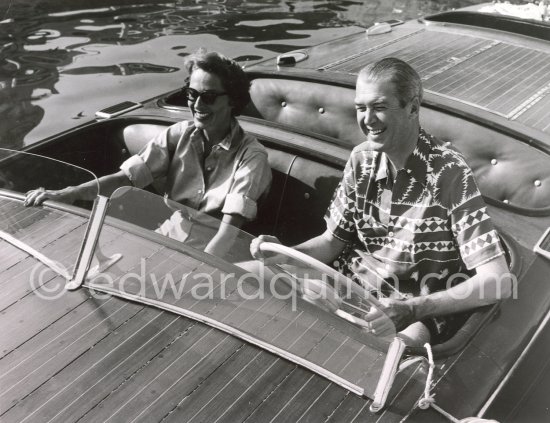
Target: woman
<point>210,164</point>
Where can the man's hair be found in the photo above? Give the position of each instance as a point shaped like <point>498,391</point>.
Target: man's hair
<point>405,79</point>
<point>232,76</point>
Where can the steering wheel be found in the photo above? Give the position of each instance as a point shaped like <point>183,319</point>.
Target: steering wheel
<point>320,292</point>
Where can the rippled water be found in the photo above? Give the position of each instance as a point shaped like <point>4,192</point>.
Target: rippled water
<point>61,60</point>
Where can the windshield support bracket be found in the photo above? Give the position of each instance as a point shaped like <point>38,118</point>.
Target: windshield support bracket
<point>395,352</point>
<point>89,243</point>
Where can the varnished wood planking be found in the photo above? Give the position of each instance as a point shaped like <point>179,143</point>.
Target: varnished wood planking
<point>15,282</point>
<point>292,397</point>
<point>246,397</point>
<point>28,274</point>
<point>521,72</point>
<point>537,117</point>
<point>86,380</point>
<point>349,409</point>
<point>168,378</point>
<point>27,317</point>
<point>223,387</point>
<point>47,353</point>
<point>404,394</point>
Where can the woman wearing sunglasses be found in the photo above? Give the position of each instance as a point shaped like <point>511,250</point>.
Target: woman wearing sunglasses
<point>210,164</point>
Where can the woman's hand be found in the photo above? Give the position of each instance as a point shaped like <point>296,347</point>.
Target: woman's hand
<point>35,197</point>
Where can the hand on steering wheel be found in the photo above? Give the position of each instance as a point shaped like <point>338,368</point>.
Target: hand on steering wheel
<point>268,259</point>
<point>321,293</point>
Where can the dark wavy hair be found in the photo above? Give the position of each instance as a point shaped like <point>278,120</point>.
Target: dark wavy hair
<point>232,76</point>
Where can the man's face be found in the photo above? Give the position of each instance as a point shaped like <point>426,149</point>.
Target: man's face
<point>209,117</point>
<point>381,117</point>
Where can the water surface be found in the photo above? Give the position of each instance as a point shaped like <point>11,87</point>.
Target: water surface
<point>62,60</point>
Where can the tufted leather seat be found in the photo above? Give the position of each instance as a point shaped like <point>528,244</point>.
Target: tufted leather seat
<point>506,169</point>
<point>314,107</point>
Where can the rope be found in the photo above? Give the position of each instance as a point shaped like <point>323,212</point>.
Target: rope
<point>428,400</point>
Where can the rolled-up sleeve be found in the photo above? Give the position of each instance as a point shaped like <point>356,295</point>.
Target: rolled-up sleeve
<point>251,180</point>
<point>153,161</point>
<point>137,171</point>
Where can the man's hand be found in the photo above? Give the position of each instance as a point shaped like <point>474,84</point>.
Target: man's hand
<point>37,196</point>
<point>258,255</point>
<point>401,313</point>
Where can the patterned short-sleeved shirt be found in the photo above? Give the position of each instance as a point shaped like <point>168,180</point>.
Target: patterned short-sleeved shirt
<point>429,224</point>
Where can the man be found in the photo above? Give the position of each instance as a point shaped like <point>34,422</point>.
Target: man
<point>210,164</point>
<point>408,217</point>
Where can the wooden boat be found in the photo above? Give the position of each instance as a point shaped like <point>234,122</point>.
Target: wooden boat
<point>119,347</point>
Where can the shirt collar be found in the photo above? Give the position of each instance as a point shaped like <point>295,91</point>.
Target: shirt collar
<point>234,136</point>
<point>382,171</point>
<point>417,164</point>
<point>231,140</point>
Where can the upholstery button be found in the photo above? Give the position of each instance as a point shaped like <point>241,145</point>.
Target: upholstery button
<point>538,183</point>
<point>321,110</point>
<point>494,162</point>
<point>307,195</point>
<point>283,103</point>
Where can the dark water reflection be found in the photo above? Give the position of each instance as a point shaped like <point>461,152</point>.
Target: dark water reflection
<point>62,60</point>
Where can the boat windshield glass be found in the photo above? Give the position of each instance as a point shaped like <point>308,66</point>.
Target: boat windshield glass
<point>185,261</point>
<point>43,240</point>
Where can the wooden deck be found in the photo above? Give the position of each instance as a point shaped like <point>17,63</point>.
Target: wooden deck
<point>86,356</point>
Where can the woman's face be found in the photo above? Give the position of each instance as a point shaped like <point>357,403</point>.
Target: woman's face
<point>212,118</point>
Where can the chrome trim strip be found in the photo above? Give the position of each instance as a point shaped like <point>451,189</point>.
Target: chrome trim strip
<point>55,266</point>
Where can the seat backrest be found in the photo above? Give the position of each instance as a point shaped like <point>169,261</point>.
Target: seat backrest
<point>506,169</point>
<point>308,193</point>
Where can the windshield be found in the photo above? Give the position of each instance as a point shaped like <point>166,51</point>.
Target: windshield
<point>51,233</point>
<point>295,310</point>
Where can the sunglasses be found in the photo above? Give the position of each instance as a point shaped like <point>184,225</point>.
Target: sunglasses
<point>207,97</point>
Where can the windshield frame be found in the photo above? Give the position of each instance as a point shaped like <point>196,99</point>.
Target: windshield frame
<point>16,176</point>
<point>388,349</point>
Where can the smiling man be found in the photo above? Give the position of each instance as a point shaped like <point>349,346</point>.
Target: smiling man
<point>407,219</point>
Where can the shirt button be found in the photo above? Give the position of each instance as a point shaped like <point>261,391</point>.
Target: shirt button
<point>390,234</point>
<point>199,191</point>
<point>387,267</point>
<point>209,168</point>
<point>409,171</point>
